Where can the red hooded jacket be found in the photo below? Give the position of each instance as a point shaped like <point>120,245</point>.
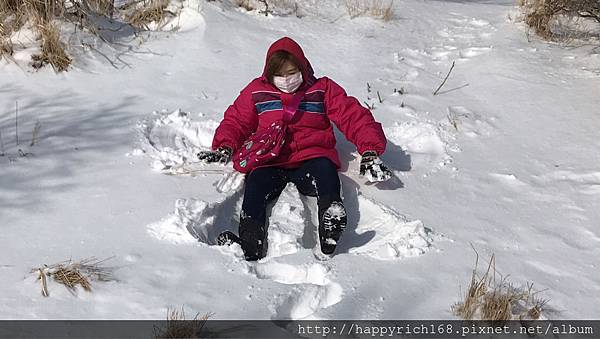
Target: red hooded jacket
<point>310,133</point>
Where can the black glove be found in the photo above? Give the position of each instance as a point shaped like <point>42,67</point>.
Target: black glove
<point>373,168</point>
<point>222,154</point>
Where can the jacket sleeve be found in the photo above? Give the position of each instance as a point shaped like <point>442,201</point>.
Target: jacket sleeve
<point>354,120</point>
<point>239,122</point>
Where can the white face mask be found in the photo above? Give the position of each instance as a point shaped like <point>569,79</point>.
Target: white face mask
<point>288,84</point>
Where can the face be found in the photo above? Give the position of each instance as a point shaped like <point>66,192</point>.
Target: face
<point>287,69</point>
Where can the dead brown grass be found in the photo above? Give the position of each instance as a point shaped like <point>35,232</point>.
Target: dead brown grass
<point>180,327</point>
<point>245,4</point>
<point>380,9</point>
<point>102,7</point>
<point>6,47</point>
<point>543,15</point>
<point>489,298</point>
<point>72,274</point>
<point>47,16</point>
<point>14,14</point>
<point>53,49</point>
<point>150,11</point>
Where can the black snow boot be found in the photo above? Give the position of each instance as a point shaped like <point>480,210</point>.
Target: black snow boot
<point>331,227</point>
<point>228,238</point>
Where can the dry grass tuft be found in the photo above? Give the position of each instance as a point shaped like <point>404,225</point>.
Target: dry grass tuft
<point>270,7</point>
<point>380,9</point>
<point>546,17</point>
<point>53,49</point>
<point>487,299</point>
<point>14,14</point>
<point>245,4</point>
<point>71,277</point>
<point>6,47</point>
<point>477,289</point>
<point>101,7</point>
<point>180,327</point>
<point>150,11</point>
<point>72,274</point>
<point>46,16</point>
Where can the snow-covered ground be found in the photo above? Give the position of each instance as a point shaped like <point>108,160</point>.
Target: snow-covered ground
<point>505,159</point>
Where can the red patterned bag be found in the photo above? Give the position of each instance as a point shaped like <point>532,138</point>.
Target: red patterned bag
<point>264,146</point>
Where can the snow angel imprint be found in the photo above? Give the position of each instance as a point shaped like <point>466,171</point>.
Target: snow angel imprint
<point>279,130</point>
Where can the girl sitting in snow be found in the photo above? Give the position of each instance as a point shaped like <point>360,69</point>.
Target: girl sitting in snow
<point>289,106</point>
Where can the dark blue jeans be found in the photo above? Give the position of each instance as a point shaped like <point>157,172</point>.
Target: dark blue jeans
<point>316,177</point>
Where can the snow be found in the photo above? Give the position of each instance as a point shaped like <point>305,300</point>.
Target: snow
<point>505,158</point>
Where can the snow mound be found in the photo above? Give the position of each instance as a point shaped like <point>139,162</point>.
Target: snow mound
<point>583,182</point>
<point>313,292</point>
<point>174,228</point>
<point>189,18</point>
<point>172,140</point>
<point>292,227</point>
<point>196,220</point>
<point>395,237</point>
<point>286,225</point>
<point>426,142</point>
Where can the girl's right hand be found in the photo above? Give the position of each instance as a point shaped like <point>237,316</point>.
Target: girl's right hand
<point>222,155</point>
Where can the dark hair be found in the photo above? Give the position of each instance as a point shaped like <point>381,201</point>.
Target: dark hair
<point>277,60</point>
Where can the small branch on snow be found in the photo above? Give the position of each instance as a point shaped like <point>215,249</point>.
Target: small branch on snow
<point>35,133</point>
<point>371,107</point>
<point>44,283</point>
<point>17,123</point>
<point>445,79</point>
<point>267,10</point>
<point>85,44</point>
<point>1,145</point>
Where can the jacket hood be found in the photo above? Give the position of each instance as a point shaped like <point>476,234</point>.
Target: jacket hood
<point>292,47</point>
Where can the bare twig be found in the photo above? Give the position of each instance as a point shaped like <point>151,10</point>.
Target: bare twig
<point>369,106</point>
<point>112,63</point>
<point>266,10</point>
<point>445,79</point>
<point>35,133</point>
<point>43,281</point>
<point>17,123</point>
<point>1,145</point>
<point>379,97</point>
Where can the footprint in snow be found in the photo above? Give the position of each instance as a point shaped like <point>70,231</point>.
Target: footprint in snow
<point>470,52</point>
<point>470,123</point>
<point>586,183</point>
<point>509,180</point>
<point>313,290</point>
<point>463,33</point>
